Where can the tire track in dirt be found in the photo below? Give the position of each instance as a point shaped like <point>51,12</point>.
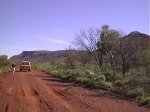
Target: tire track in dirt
<point>16,95</point>
<point>47,97</point>
<point>77,101</point>
<point>62,97</point>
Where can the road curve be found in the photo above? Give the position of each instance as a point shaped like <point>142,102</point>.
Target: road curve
<point>37,92</point>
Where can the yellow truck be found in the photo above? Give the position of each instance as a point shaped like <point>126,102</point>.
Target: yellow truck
<point>25,65</point>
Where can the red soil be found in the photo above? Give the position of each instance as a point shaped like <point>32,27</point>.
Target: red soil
<point>37,92</point>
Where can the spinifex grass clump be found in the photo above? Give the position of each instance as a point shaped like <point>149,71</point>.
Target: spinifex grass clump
<point>135,92</point>
<point>70,90</point>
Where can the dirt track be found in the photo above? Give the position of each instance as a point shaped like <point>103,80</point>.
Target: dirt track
<point>37,92</point>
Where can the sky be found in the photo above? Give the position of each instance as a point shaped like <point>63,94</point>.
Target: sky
<point>27,25</point>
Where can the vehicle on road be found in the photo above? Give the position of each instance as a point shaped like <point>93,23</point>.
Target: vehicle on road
<point>25,65</point>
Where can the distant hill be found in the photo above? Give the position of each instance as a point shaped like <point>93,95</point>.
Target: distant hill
<point>41,56</point>
<point>136,34</point>
<point>137,39</point>
<point>134,39</point>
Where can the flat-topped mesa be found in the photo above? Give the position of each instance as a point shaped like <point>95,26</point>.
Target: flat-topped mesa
<point>41,55</point>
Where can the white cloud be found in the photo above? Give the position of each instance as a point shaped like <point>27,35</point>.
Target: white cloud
<point>49,39</point>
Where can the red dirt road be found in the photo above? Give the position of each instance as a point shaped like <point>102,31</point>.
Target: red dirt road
<point>37,92</point>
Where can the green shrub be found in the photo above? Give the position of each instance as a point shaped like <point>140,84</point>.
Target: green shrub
<point>57,75</point>
<point>54,72</point>
<point>135,92</point>
<point>72,74</point>
<point>92,84</point>
<point>82,80</point>
<point>104,85</point>
<point>99,84</point>
<point>4,63</point>
<point>70,90</point>
<point>105,68</point>
<point>109,76</point>
<point>121,82</point>
<point>120,91</point>
<point>145,101</point>
<point>89,74</point>
<point>100,78</point>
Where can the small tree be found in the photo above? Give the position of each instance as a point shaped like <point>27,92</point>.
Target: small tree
<point>87,40</point>
<point>108,43</point>
<point>3,61</point>
<point>124,57</point>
